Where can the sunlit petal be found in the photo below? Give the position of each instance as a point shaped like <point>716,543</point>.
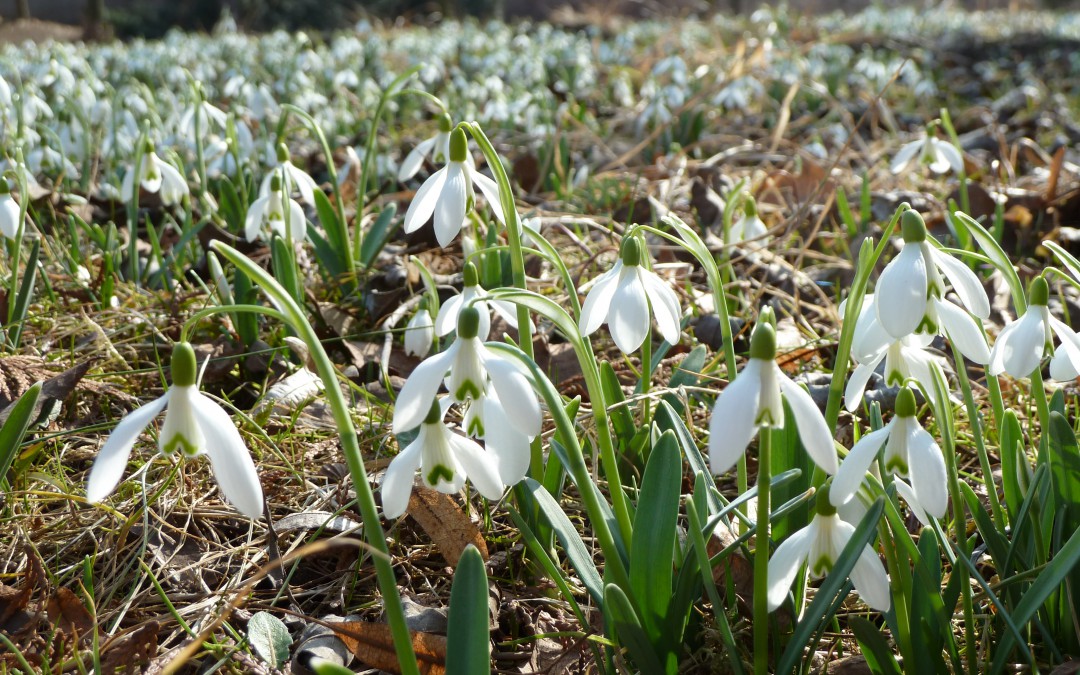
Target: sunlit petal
<point>785,563</point>
<point>664,303</point>
<point>109,466</point>
<point>900,297</point>
<point>597,304</point>
<point>963,331</point>
<point>423,203</point>
<point>414,401</point>
<point>732,424</point>
<point>814,432</point>
<point>853,469</point>
<point>397,482</point>
<point>630,324</point>
<point>965,283</point>
<point>233,468</point>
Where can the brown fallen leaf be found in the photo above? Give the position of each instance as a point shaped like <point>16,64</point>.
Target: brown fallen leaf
<point>68,614</point>
<point>127,652</point>
<point>449,528</point>
<point>373,644</point>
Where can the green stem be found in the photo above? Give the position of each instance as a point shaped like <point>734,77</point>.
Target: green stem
<point>350,446</point>
<point>980,444</point>
<point>646,374</point>
<point>761,554</point>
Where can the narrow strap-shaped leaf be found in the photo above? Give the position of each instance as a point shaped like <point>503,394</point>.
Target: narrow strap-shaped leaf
<point>667,419</point>
<point>337,235</point>
<point>377,236</point>
<point>576,552</point>
<point>1064,466</point>
<point>468,640</point>
<point>14,429</point>
<point>630,633</point>
<point>875,649</point>
<point>622,420</point>
<point>26,291</point>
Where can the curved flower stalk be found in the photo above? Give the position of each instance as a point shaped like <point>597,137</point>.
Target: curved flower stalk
<point>910,452</point>
<point>155,175</point>
<point>1021,346</point>
<point>449,194</point>
<point>292,176</point>
<point>194,425</point>
<point>420,332</point>
<point>270,212</point>
<point>444,459</point>
<point>437,148</point>
<point>819,545</point>
<point>472,295</point>
<point>622,298</point>
<point>9,212</point>
<point>940,156</point>
<point>910,294</point>
<point>753,401</point>
<point>467,366</point>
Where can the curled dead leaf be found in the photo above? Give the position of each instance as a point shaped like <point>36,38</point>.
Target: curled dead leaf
<point>447,525</point>
<point>373,644</point>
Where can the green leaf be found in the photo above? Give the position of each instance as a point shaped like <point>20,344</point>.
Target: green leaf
<point>14,429</point>
<point>666,419</point>
<point>468,642</point>
<point>337,234</point>
<point>653,548</point>
<point>993,250</point>
<point>285,269</point>
<point>269,638</point>
<point>321,666</point>
<point>834,587</point>
<point>1064,466</point>
<point>875,649</point>
<point>576,552</point>
<point>375,238</point>
<point>1013,462</point>
<point>622,420</point>
<point>630,633</point>
<point>26,292</point>
<point>686,374</point>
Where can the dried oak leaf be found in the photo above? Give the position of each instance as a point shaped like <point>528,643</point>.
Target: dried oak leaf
<point>449,528</point>
<point>68,614</point>
<point>373,644</point>
<point>126,653</point>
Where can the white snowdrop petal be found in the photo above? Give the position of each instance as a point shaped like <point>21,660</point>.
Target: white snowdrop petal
<point>397,482</point>
<point>415,159</point>
<point>732,424</point>
<point>1021,346</point>
<point>963,331</point>
<point>423,203</point>
<point>785,563</point>
<point>856,386</point>
<point>478,466</point>
<point>628,318</point>
<point>905,155</point>
<point>297,224</point>
<point>414,400</point>
<point>598,302</point>
<point>908,495</point>
<point>305,184</point>
<point>507,443</point>
<point>900,296</point>
<point>928,479</point>
<point>229,457</point>
<point>814,432</point>
<point>1070,341</point>
<point>965,283</point>
<point>665,305</point>
<point>1061,368</point>
<point>951,156</point>
<point>870,580</point>
<point>446,321</point>
<point>515,394</point>
<point>490,189</point>
<point>452,205</point>
<point>254,220</point>
<point>109,466</point>
<point>853,469</point>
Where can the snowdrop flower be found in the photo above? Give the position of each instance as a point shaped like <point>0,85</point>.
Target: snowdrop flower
<point>420,332</point>
<point>437,147</point>
<point>820,544</point>
<point>907,446</point>
<point>487,418</point>
<point>270,210</point>
<point>622,298</point>
<point>444,460</point>
<point>467,366</point>
<point>939,155</point>
<point>905,360</point>
<point>155,176</point>
<point>9,212</point>
<point>752,401</point>
<point>194,424</point>
<point>472,294</point>
<point>448,193</point>
<point>1021,345</point>
<point>212,118</point>
<point>292,176</point>
<point>910,292</point>
<point>750,225</point>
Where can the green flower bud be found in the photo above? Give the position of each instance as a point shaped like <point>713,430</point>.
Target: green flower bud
<point>471,275</point>
<point>913,227</point>
<point>749,206</point>
<point>275,182</point>
<point>445,123</point>
<point>905,403</point>
<point>822,504</point>
<point>1038,292</point>
<point>468,323</point>
<point>763,342</point>
<point>630,252</point>
<point>282,153</point>
<point>459,146</point>
<point>184,368</point>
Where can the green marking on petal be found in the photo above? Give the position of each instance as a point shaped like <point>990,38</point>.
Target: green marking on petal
<point>897,465</point>
<point>468,389</point>
<point>440,473</point>
<point>821,566</point>
<point>181,443</point>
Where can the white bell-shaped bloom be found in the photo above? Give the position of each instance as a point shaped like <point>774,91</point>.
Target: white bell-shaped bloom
<point>905,360</point>
<point>155,176</point>
<point>472,295</point>
<point>488,419</point>
<point>194,424</point>
<point>749,226</point>
<point>939,155</point>
<point>753,400</point>
<point>437,148</point>
<point>449,194</point>
<point>9,212</point>
<point>445,460</point>
<point>911,287</point>
<point>1021,346</point>
<point>467,367</point>
<point>622,298</point>
<point>292,176</point>
<point>419,333</point>
<point>819,545</point>
<point>910,452</point>
<point>270,212</point>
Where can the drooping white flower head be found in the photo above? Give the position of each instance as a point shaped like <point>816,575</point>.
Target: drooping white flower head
<point>910,293</point>
<point>292,176</point>
<point>819,545</point>
<point>1021,346</point>
<point>420,332</point>
<point>472,294</point>
<point>445,460</point>
<point>155,175</point>
<point>750,225</point>
<point>449,194</point>
<point>467,367</point>
<point>437,148</point>
<point>910,452</point>
<point>9,212</point>
<point>194,424</point>
<point>753,401</point>
<point>270,212</point>
<point>939,155</point>
<point>622,298</point>
<point>905,360</point>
